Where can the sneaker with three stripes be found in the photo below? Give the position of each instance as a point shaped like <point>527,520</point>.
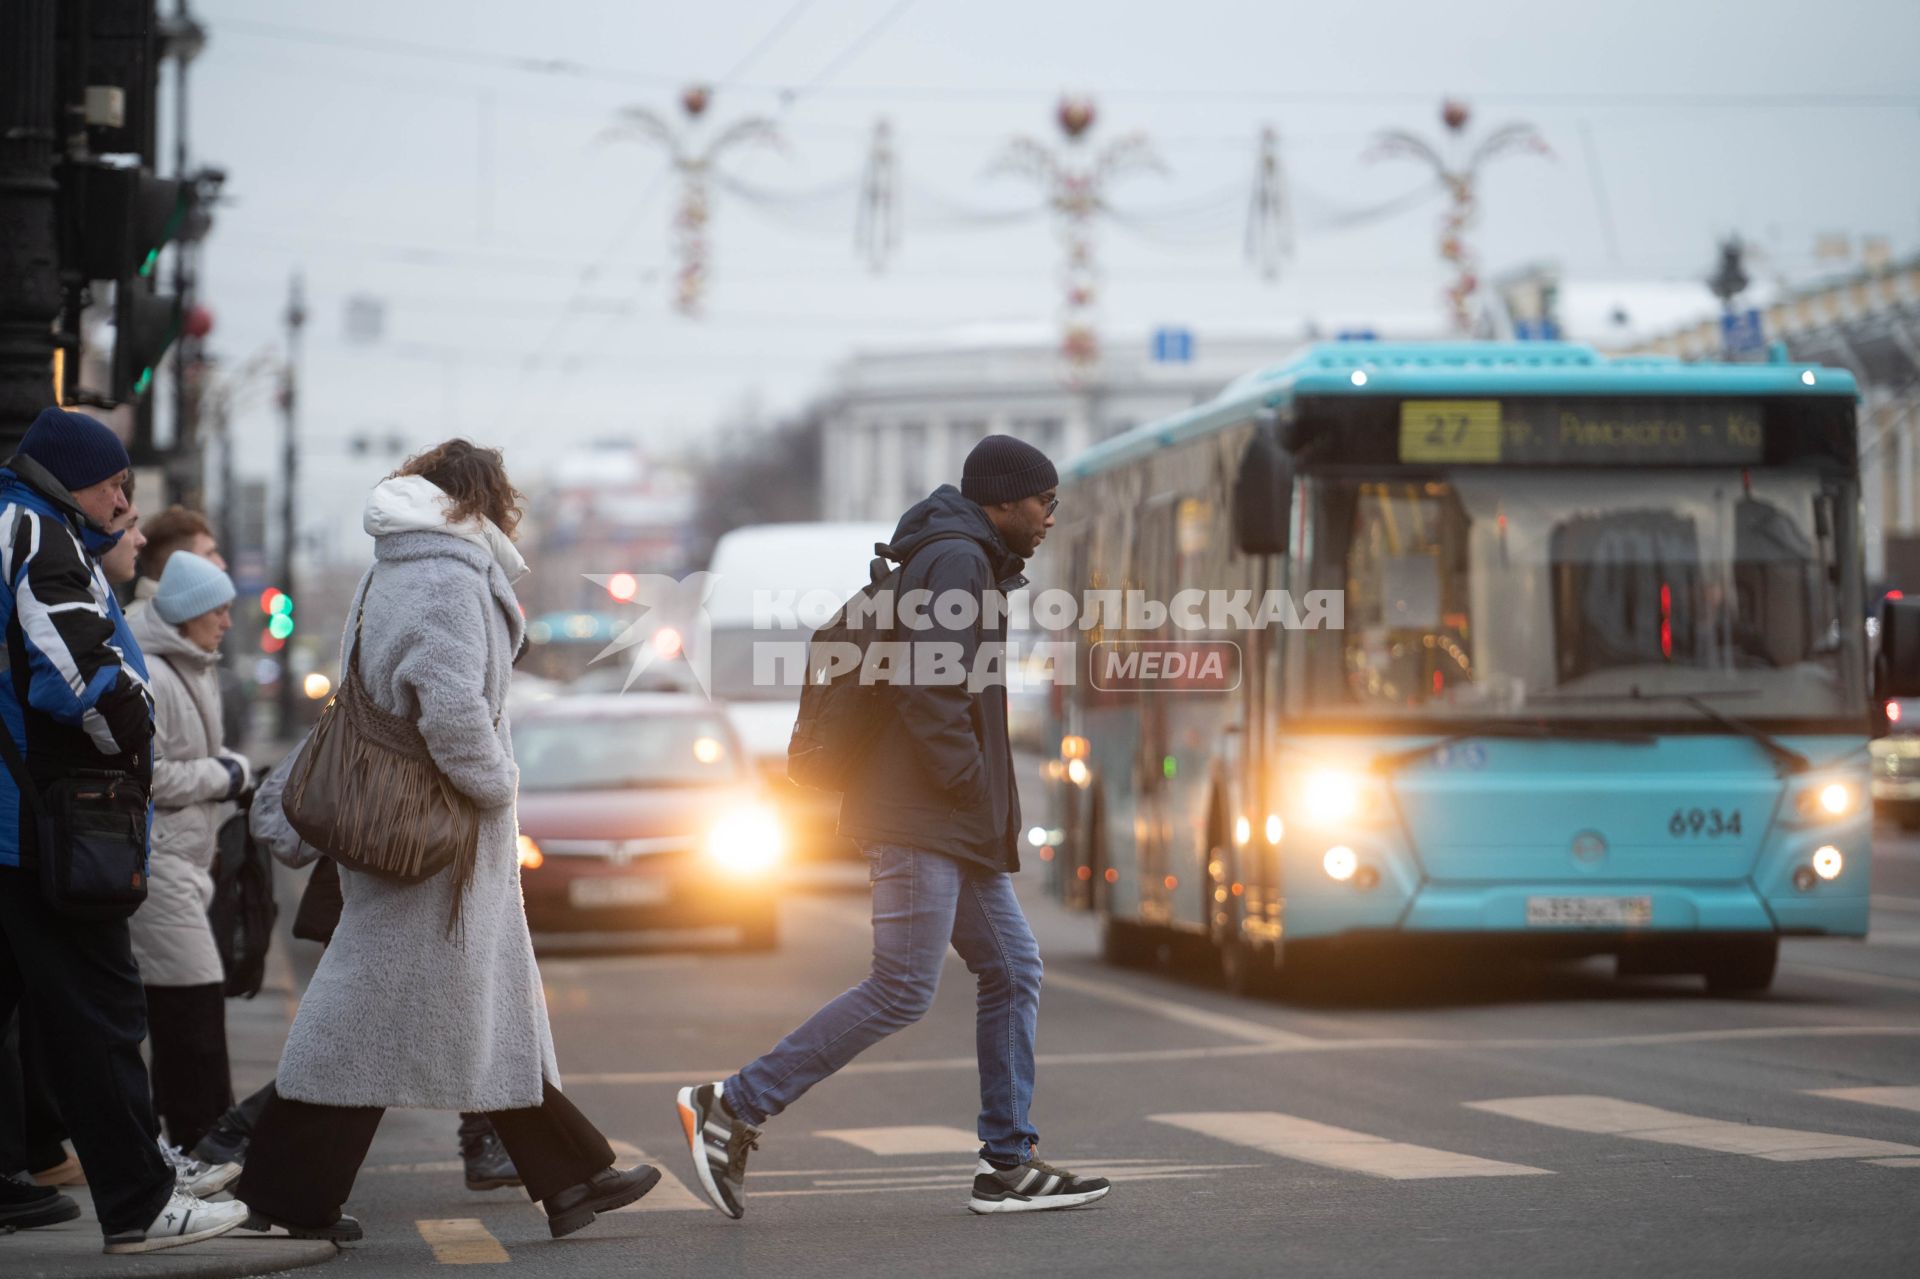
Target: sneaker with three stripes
<point>1034,1186</point>
<point>719,1141</point>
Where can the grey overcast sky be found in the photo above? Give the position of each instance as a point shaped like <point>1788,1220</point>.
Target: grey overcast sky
<point>447,156</point>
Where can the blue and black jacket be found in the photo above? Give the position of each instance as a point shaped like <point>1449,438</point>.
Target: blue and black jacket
<point>76,693</point>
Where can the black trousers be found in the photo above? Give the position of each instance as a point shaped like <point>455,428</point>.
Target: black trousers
<point>187,1038</point>
<point>81,987</point>
<point>31,1131</point>
<point>304,1157</point>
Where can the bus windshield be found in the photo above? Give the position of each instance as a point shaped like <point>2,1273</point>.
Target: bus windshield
<point>1597,593</point>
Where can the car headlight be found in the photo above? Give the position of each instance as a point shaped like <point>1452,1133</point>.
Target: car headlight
<point>1827,801</point>
<point>748,840</point>
<point>531,858</point>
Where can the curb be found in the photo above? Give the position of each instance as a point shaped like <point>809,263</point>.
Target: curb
<point>72,1251</point>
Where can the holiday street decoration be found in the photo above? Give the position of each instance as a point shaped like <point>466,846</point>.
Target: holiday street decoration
<point>1460,181</point>
<point>1270,217</point>
<point>1075,184</point>
<point>876,231</point>
<point>695,164</point>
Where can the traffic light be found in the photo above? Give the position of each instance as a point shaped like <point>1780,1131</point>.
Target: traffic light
<point>278,606</point>
<point>127,216</point>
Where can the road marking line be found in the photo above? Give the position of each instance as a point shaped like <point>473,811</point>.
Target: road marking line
<point>438,1165</point>
<point>1158,1055</point>
<point>1232,1027</point>
<point>1291,1137</point>
<point>1900,1097</point>
<point>1895,1163</point>
<point>907,1139</point>
<point>1614,1117</point>
<point>955,1169</point>
<point>461,1241</point>
<point>1855,976</point>
<point>960,1187</point>
<point>948,1179</point>
<point>671,1195</point>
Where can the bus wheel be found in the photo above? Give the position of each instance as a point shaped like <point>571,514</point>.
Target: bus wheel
<point>1742,967</point>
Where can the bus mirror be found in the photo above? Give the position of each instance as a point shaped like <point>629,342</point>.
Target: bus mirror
<point>1263,497</point>
<point>1898,669</point>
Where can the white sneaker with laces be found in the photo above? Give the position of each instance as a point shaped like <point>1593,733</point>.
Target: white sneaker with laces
<point>196,1177</point>
<point>183,1220</point>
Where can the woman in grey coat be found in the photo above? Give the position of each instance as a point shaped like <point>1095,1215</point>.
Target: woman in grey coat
<point>399,1013</point>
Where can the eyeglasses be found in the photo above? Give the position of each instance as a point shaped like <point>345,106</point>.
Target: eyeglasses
<point>1053,504</point>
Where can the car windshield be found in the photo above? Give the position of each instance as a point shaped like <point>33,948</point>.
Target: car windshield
<point>578,752</point>
<point>1594,594</point>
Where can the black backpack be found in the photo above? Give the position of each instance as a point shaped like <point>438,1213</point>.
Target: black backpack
<point>243,910</point>
<point>840,716</point>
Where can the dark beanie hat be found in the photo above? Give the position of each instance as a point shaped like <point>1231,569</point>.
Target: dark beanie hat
<point>1003,469</point>
<point>77,450</point>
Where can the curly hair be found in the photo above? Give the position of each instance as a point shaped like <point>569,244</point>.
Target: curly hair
<point>475,478</point>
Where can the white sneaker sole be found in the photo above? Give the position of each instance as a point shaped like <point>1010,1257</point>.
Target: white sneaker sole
<point>987,1207</point>
<point>156,1244</point>
<point>697,1148</point>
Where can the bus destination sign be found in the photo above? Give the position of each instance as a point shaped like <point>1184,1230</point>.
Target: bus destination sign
<point>1543,432</point>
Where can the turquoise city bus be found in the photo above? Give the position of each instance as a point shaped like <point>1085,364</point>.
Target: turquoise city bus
<point>1589,674</point>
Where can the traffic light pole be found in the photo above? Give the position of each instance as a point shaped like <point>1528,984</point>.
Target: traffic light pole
<point>29,249</point>
<point>296,319</point>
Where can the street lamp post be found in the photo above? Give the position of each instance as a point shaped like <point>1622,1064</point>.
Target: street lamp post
<point>295,319</point>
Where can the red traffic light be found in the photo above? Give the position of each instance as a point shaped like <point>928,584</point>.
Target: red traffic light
<point>268,597</point>
<point>198,322</point>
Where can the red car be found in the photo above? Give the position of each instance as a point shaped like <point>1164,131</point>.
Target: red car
<point>640,812</point>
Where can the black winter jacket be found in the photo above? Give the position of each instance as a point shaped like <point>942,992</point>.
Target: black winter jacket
<point>940,776</point>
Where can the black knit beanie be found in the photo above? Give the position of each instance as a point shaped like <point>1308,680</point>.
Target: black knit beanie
<point>77,450</point>
<point>1003,469</point>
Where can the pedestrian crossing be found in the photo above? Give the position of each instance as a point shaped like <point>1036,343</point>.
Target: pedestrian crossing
<point>1291,1137</point>
<point>1613,1117</point>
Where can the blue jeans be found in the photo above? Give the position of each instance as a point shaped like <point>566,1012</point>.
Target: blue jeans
<point>921,902</point>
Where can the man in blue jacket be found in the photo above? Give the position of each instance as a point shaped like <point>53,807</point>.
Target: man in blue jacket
<point>76,697</point>
<point>935,809</point>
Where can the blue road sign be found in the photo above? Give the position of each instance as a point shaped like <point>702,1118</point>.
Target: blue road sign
<point>1742,333</point>
<point>1356,335</point>
<point>1173,346</point>
<point>1536,330</point>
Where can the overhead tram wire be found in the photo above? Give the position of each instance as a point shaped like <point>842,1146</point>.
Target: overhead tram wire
<point>552,68</point>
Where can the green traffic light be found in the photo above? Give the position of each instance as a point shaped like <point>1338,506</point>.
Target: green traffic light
<point>144,381</point>
<point>281,626</point>
<point>146,267</point>
<point>283,605</point>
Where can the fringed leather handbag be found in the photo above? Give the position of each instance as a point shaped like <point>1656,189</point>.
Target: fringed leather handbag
<point>366,792</point>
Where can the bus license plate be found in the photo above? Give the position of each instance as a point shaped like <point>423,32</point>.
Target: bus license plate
<point>1589,912</point>
<point>616,892</point>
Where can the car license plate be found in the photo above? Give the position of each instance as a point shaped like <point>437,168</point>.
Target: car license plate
<point>616,891</point>
<point>1589,912</point>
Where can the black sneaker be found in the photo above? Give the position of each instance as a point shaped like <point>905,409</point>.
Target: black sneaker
<point>225,1142</point>
<point>719,1141</point>
<point>24,1205</point>
<point>1034,1186</point>
<point>489,1166</point>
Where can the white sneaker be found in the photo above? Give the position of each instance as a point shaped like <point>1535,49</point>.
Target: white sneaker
<point>196,1177</point>
<point>183,1220</point>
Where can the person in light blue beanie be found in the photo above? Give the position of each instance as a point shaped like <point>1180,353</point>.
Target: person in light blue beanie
<point>194,777</point>
<point>191,586</point>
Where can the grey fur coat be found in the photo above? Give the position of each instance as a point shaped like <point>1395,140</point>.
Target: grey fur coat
<point>398,1013</point>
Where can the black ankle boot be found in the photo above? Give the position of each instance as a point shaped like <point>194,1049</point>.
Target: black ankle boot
<point>489,1167</point>
<point>576,1206</point>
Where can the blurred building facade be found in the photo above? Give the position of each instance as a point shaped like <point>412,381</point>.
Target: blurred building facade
<point>898,422</point>
<point>604,509</point>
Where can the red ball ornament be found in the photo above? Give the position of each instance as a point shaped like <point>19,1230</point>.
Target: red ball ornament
<point>1076,115</point>
<point>1454,114</point>
<point>694,99</point>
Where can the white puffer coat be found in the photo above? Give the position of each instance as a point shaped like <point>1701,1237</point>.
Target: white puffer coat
<point>172,941</point>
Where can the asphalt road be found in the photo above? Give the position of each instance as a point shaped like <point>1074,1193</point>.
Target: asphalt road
<point>1540,1121</point>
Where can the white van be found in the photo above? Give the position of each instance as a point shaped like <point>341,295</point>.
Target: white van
<point>813,569</point>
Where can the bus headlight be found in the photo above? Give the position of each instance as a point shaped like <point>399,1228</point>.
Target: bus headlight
<point>1827,801</point>
<point>746,841</point>
<point>1340,863</point>
<point>1827,862</point>
<point>1333,797</point>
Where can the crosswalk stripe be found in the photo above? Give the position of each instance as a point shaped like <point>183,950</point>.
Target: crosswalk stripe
<point>671,1195</point>
<point>1291,1137</point>
<point>461,1241</point>
<point>907,1139</point>
<point>1223,1024</point>
<point>1617,1118</point>
<point>1898,1096</point>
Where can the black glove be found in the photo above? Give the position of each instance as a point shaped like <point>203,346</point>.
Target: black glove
<point>236,776</point>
